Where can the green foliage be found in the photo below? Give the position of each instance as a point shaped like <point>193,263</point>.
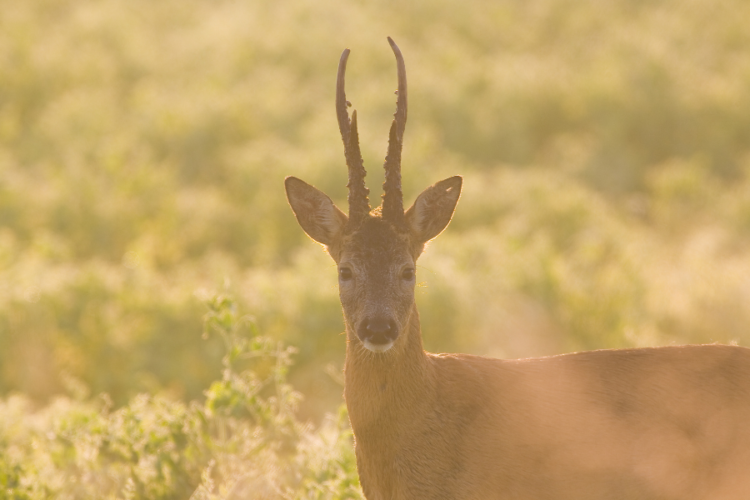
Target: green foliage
<point>143,147</point>
<point>239,443</point>
<point>604,145</point>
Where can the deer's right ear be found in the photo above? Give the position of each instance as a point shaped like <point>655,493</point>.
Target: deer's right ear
<point>315,211</point>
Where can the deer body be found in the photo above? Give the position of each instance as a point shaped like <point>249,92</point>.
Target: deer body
<point>612,424</point>
<point>656,423</point>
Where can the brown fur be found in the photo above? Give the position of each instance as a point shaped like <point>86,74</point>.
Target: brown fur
<point>661,423</point>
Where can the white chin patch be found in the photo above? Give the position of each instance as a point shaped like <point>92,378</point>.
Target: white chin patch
<point>377,347</point>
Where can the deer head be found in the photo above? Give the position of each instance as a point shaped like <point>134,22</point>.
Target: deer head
<point>375,249</point>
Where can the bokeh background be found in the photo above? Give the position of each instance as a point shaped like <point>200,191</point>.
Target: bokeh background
<point>605,149</point>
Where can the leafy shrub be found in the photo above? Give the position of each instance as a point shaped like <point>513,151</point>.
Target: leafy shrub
<point>243,441</point>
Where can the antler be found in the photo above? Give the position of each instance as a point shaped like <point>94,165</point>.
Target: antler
<point>393,198</point>
<point>359,205</point>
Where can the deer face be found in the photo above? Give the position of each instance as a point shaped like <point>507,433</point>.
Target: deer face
<point>376,283</point>
<point>376,259</point>
<point>376,250</point>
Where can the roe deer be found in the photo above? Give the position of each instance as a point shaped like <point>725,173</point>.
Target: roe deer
<point>653,423</point>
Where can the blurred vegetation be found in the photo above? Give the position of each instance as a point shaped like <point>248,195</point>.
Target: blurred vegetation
<point>605,148</point>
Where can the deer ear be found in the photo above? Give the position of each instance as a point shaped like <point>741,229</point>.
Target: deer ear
<point>433,209</point>
<point>315,211</point>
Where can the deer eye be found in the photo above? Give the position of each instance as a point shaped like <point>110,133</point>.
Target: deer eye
<point>345,274</point>
<point>407,274</point>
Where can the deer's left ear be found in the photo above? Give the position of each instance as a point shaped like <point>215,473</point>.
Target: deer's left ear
<point>315,211</point>
<point>433,209</point>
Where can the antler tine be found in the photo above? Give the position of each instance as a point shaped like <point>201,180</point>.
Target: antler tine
<point>393,198</point>
<point>400,115</point>
<point>341,103</point>
<point>359,204</point>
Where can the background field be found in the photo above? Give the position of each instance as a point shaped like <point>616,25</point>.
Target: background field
<point>605,149</point>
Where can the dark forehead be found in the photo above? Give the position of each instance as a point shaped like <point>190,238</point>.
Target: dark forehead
<point>376,241</point>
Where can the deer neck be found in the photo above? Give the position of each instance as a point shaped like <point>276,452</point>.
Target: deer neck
<point>384,391</point>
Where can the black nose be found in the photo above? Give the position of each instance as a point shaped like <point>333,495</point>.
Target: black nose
<point>377,330</point>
